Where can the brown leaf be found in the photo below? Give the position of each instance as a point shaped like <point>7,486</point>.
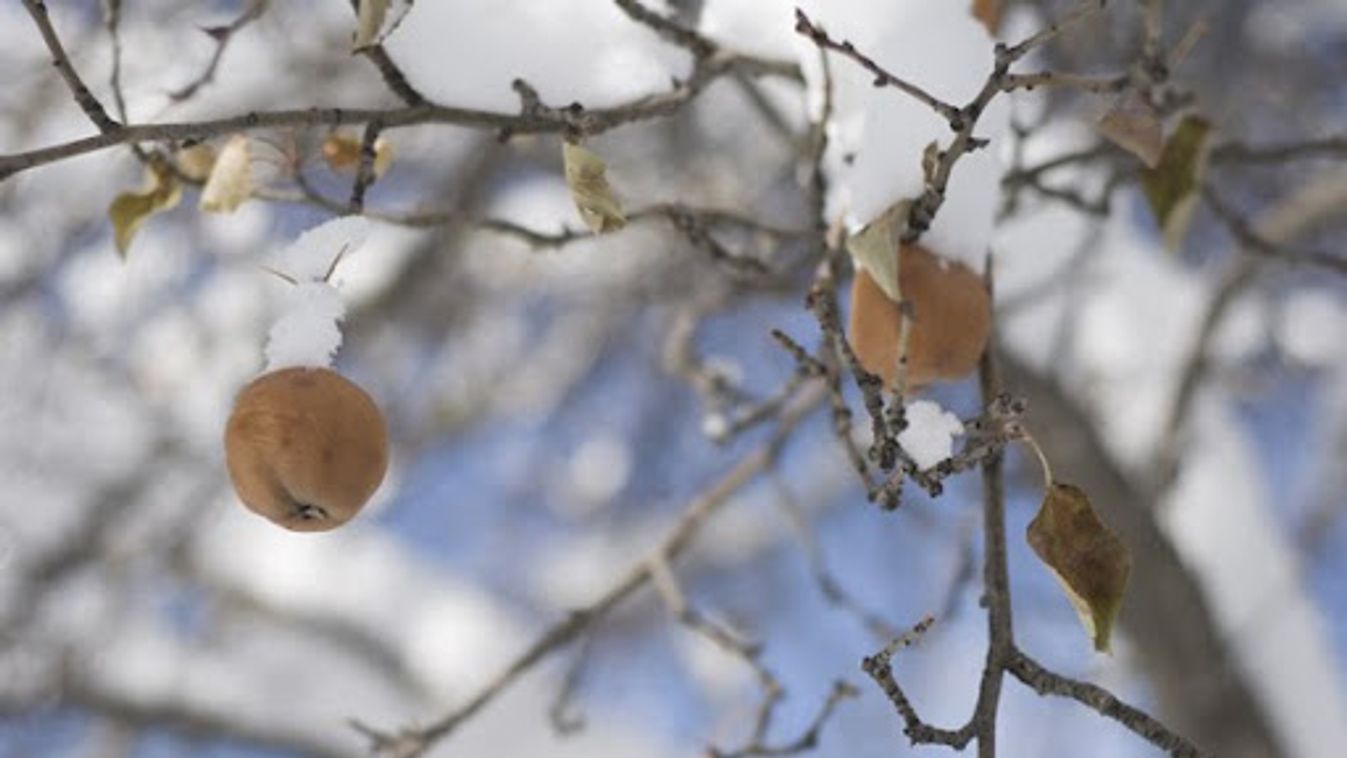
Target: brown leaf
<point>1134,125</point>
<point>196,162</point>
<point>1088,559</point>
<point>130,209</point>
<point>989,12</point>
<point>342,153</point>
<point>1171,186</point>
<point>586,176</point>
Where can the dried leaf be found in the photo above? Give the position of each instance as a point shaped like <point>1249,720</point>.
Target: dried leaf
<point>586,175</point>
<point>1134,125</point>
<point>130,209</point>
<point>369,22</point>
<point>231,179</point>
<point>875,247</point>
<point>342,153</point>
<point>1171,187</point>
<point>989,12</point>
<point>196,162</point>
<point>1088,559</point>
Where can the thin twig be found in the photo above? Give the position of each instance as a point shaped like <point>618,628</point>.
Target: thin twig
<point>831,589</point>
<point>1256,242</point>
<point>816,34</point>
<point>112,20</point>
<point>1334,146</point>
<point>83,97</point>
<point>669,29</point>
<point>1098,85</point>
<point>414,741</point>
<point>222,35</point>
<point>1098,699</point>
<point>394,77</point>
<point>364,175</point>
<point>808,739</point>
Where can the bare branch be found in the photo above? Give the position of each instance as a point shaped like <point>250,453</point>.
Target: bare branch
<point>414,741</point>
<point>394,78</point>
<point>808,740</point>
<point>1098,85</point>
<point>669,29</point>
<point>1259,243</point>
<point>1097,698</point>
<point>364,175</point>
<point>575,120</point>
<point>222,35</point>
<point>1334,146</point>
<point>816,34</point>
<point>83,97</point>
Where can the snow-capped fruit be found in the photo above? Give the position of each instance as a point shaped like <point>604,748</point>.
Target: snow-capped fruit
<point>952,318</point>
<point>305,448</point>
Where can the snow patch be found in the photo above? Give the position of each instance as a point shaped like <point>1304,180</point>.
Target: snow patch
<point>929,436</point>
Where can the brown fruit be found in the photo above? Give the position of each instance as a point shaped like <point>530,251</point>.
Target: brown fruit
<point>952,318</point>
<point>305,448</point>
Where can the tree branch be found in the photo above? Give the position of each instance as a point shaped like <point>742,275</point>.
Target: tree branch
<point>414,741</point>
<point>575,120</point>
<point>1046,682</point>
<point>83,97</point>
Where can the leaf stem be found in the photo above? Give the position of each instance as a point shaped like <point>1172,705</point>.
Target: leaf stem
<point>1029,440</point>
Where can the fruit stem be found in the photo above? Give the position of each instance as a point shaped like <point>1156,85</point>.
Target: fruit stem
<point>1029,440</point>
<point>281,275</point>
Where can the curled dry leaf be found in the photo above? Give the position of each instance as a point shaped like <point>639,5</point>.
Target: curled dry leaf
<point>231,178</point>
<point>130,209</point>
<point>1171,186</point>
<point>872,248</point>
<point>342,153</point>
<point>586,176</point>
<point>369,22</point>
<point>1087,558</point>
<point>196,162</point>
<point>950,315</point>
<point>1134,125</point>
<point>989,12</point>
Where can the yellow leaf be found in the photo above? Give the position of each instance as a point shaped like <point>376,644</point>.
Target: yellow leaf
<point>1134,125</point>
<point>875,247</point>
<point>231,178</point>
<point>586,175</point>
<point>130,209</point>
<point>369,21</point>
<point>989,13</point>
<point>196,162</point>
<point>1088,559</point>
<point>1171,187</point>
<point>342,153</point>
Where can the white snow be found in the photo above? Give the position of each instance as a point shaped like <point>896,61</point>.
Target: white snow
<point>310,256</point>
<point>569,50</point>
<point>1313,328</point>
<point>306,333</point>
<point>929,436</point>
